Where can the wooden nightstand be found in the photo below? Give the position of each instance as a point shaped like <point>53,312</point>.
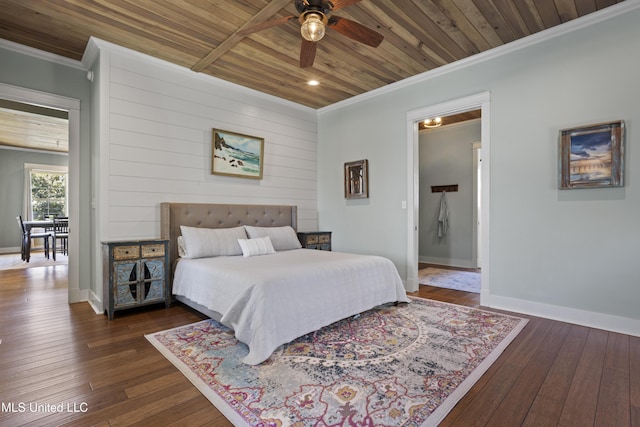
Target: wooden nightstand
<point>135,273</point>
<point>320,240</point>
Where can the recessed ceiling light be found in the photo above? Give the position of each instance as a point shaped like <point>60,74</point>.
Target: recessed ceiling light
<point>313,83</point>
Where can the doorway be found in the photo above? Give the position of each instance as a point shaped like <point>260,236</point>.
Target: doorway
<point>72,107</point>
<point>482,102</point>
<point>448,220</point>
<point>38,193</point>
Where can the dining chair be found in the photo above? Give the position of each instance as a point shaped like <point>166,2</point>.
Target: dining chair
<point>27,235</point>
<point>60,232</point>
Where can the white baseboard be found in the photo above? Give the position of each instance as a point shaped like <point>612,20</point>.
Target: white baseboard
<point>78,295</point>
<point>15,250</point>
<point>95,303</point>
<point>590,319</point>
<point>449,262</point>
<point>82,295</point>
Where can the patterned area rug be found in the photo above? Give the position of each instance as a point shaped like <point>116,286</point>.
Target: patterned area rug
<point>404,365</point>
<point>468,281</point>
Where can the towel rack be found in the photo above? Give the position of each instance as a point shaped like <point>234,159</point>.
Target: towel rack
<point>447,188</point>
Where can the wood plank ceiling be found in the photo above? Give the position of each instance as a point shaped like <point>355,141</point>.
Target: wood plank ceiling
<point>203,35</point>
<point>30,126</point>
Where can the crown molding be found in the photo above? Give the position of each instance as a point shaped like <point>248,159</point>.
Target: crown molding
<point>542,36</point>
<point>40,54</point>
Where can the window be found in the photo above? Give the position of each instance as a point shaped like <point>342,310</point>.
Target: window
<point>46,191</point>
<point>48,194</point>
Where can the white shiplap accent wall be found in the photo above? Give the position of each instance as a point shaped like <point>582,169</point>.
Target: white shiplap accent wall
<point>159,144</point>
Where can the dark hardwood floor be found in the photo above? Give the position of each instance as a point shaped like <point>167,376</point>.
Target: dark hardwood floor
<point>105,373</point>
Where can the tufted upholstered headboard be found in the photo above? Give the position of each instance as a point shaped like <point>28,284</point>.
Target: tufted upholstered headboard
<point>173,215</point>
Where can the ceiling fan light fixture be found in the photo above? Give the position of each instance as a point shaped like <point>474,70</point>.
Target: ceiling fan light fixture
<point>312,26</point>
<point>433,122</point>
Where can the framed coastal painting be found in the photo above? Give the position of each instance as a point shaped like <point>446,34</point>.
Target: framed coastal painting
<point>592,156</point>
<point>235,154</point>
<point>356,179</point>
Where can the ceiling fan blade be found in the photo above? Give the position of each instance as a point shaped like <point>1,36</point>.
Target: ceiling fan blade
<point>355,31</point>
<point>307,53</point>
<point>339,4</point>
<point>265,25</point>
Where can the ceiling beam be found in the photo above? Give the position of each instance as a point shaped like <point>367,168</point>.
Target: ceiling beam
<point>267,12</point>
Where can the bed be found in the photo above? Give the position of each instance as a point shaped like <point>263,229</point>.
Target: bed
<point>277,296</point>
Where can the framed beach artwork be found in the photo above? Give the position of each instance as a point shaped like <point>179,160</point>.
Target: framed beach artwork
<point>356,179</point>
<point>234,154</point>
<point>592,156</point>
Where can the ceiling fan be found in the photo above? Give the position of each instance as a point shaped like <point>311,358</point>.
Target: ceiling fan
<point>314,18</point>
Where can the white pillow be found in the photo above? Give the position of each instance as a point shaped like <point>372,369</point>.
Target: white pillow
<point>208,242</point>
<point>282,238</point>
<point>182,252</point>
<point>259,246</point>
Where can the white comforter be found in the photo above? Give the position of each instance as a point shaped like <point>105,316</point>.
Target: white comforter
<point>270,300</point>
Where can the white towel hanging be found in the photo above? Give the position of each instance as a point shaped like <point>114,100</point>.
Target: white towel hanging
<point>443,216</point>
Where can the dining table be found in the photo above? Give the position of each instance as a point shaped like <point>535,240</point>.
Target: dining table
<point>31,224</point>
<point>37,223</point>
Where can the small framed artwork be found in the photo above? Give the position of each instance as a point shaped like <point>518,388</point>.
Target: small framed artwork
<point>234,154</point>
<point>356,180</point>
<point>592,156</point>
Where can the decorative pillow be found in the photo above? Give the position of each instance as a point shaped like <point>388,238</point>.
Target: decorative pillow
<point>208,242</point>
<point>258,246</point>
<point>182,252</point>
<point>282,238</point>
